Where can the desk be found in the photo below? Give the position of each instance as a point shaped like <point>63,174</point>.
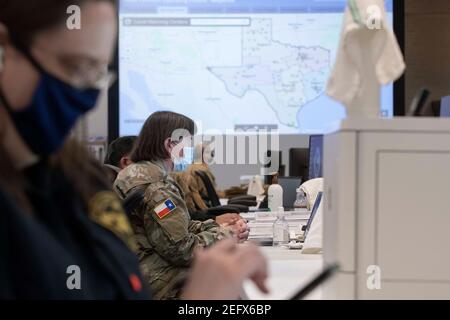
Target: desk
<point>289,270</point>
<point>261,223</point>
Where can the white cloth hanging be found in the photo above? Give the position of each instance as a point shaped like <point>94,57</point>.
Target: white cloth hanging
<point>368,56</point>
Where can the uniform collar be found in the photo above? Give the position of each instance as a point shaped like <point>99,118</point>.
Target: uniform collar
<point>163,166</point>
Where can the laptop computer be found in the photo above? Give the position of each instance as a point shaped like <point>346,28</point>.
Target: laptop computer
<point>313,214</point>
<point>445,107</point>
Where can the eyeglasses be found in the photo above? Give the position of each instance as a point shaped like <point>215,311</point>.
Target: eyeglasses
<point>83,75</point>
<point>87,74</point>
<point>94,80</point>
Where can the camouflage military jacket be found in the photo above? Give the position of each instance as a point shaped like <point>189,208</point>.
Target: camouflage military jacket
<point>199,186</point>
<point>189,188</point>
<point>165,234</point>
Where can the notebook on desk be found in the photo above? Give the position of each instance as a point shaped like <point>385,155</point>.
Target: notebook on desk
<point>262,241</point>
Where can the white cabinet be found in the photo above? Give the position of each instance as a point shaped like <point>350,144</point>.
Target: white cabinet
<point>387,204</point>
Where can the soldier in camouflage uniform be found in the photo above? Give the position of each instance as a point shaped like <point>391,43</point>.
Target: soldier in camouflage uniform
<point>203,154</point>
<point>197,182</point>
<point>165,234</point>
<point>166,237</point>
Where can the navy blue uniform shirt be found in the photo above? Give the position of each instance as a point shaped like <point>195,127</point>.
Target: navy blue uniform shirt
<point>42,253</point>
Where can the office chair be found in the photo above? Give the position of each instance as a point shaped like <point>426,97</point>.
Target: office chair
<point>241,203</point>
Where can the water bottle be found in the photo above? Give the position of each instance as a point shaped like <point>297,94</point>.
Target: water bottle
<point>300,201</point>
<point>280,229</point>
<point>275,195</point>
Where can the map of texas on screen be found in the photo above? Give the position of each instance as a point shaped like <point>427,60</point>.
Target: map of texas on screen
<point>233,65</point>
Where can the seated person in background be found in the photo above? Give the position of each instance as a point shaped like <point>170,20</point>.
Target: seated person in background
<point>203,187</point>
<point>196,205</point>
<point>164,231</point>
<point>118,156</point>
<point>202,155</point>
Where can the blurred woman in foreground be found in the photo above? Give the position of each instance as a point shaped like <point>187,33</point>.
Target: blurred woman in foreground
<point>63,233</point>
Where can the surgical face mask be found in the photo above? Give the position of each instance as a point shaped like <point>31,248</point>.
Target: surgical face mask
<point>180,164</point>
<point>54,109</point>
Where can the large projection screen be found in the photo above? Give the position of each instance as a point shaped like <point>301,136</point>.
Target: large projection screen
<point>231,65</point>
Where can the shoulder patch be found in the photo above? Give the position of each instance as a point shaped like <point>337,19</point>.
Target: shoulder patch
<point>106,210</point>
<point>164,208</point>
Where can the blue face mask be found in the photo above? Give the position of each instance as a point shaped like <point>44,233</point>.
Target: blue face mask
<point>55,108</point>
<point>181,164</point>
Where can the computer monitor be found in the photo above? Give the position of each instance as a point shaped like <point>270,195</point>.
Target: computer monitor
<point>299,162</point>
<point>445,106</point>
<point>315,156</point>
<point>289,185</point>
<point>313,213</point>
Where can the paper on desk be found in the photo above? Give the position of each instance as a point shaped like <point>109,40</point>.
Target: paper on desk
<point>286,277</point>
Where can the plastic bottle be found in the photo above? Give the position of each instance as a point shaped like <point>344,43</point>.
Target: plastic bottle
<point>300,201</point>
<point>280,229</point>
<point>275,195</point>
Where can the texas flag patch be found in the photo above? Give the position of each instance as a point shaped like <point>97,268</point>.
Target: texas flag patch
<point>165,208</point>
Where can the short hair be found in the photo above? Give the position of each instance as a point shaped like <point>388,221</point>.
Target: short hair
<point>118,149</point>
<point>157,128</point>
